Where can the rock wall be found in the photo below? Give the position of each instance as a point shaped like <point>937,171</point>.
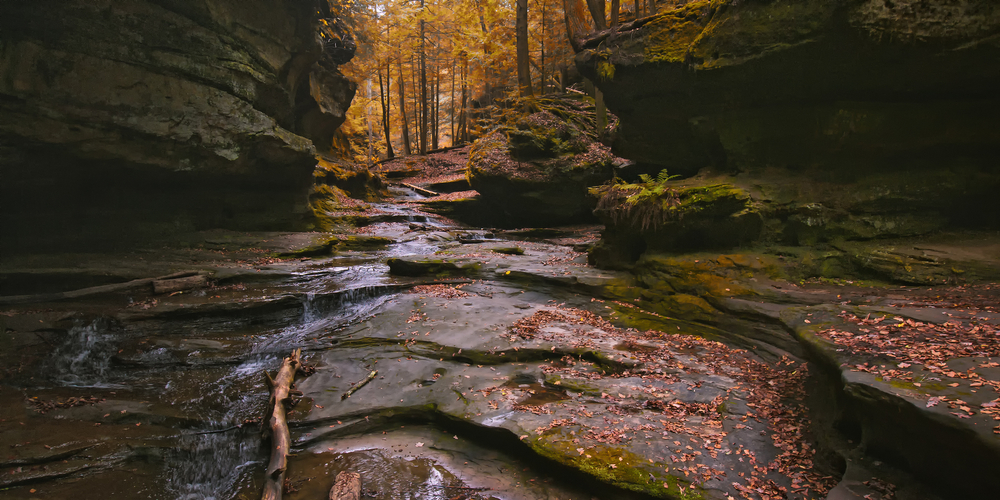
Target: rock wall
<point>125,120</point>
<point>855,119</point>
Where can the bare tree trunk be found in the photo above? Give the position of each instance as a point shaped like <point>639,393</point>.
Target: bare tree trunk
<point>615,7</point>
<point>454,67</point>
<point>523,69</point>
<point>281,441</point>
<point>463,119</point>
<point>541,81</point>
<point>638,7</point>
<point>597,12</point>
<point>423,83</point>
<point>384,99</point>
<point>347,486</point>
<point>576,23</point>
<point>417,109</point>
<point>404,124</point>
<point>488,69</point>
<point>435,105</point>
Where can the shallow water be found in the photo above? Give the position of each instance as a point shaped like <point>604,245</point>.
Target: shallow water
<point>183,393</point>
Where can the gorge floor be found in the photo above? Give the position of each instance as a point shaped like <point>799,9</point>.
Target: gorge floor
<point>529,377</point>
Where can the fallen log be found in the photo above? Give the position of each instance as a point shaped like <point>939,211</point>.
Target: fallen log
<point>179,284</point>
<point>347,486</point>
<point>83,292</point>
<point>281,440</point>
<point>355,387</point>
<point>423,191</point>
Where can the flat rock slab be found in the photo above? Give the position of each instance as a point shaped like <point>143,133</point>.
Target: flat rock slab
<point>922,384</point>
<point>539,262</point>
<point>666,415</point>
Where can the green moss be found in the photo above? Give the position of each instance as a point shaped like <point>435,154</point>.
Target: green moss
<point>572,385</point>
<point>712,33</point>
<point>509,250</point>
<point>614,465</point>
<point>355,242</point>
<point>432,267</point>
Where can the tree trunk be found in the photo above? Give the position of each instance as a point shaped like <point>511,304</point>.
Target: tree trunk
<point>523,69</point>
<point>435,107</point>
<point>615,7</point>
<point>384,99</point>
<point>597,13</point>
<point>576,23</point>
<point>454,67</point>
<point>463,132</point>
<point>423,84</point>
<point>404,125</point>
<point>488,69</point>
<point>281,441</point>
<point>415,81</point>
<point>347,487</point>
<point>541,58</point>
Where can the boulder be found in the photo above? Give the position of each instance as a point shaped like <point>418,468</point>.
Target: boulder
<point>535,170</point>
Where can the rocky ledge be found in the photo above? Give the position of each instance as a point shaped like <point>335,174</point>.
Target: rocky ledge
<point>125,121</point>
<point>837,120</point>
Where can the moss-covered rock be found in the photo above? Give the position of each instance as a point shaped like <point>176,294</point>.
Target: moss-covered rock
<point>852,120</point>
<point>535,169</point>
<point>664,216</point>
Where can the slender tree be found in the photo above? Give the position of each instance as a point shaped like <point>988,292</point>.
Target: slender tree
<point>597,13</point>
<point>523,68</point>
<point>383,91</point>
<point>404,123</point>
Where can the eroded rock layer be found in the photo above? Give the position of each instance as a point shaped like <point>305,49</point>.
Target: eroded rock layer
<point>125,120</point>
<point>859,119</point>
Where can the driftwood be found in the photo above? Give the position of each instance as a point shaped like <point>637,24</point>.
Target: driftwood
<point>347,487</point>
<point>281,440</point>
<point>354,388</point>
<point>179,284</point>
<point>423,191</point>
<point>94,290</point>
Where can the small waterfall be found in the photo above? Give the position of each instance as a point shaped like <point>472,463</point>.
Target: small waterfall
<point>84,357</point>
<point>215,466</point>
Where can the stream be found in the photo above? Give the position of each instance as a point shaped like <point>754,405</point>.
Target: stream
<point>508,368</point>
<point>181,393</point>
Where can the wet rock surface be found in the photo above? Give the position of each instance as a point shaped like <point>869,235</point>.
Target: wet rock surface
<point>507,368</point>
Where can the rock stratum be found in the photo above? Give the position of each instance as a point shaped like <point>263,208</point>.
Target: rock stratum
<point>128,120</point>
<point>852,120</point>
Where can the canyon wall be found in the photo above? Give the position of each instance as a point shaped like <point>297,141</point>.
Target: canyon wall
<point>124,121</point>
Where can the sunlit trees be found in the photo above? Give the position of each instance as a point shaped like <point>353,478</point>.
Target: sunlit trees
<point>427,68</point>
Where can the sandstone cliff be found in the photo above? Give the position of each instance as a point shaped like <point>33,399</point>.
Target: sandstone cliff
<point>853,120</point>
<point>125,120</point>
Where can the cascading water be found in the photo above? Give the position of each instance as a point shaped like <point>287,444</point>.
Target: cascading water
<point>216,463</point>
<point>84,358</point>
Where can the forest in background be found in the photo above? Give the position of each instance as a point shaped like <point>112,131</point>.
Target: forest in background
<point>427,69</point>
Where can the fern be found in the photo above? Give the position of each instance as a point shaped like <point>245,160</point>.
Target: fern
<point>665,176</point>
<point>647,203</point>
